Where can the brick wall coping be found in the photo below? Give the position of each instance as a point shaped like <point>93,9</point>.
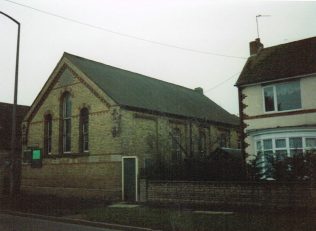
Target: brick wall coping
<point>242,183</point>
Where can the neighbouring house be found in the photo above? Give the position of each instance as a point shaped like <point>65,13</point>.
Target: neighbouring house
<point>5,138</point>
<point>98,125</point>
<point>277,99</point>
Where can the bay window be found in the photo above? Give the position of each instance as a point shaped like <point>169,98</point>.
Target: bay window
<point>288,146</point>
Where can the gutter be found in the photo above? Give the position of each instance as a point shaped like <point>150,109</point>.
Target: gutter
<point>276,80</point>
<point>136,109</point>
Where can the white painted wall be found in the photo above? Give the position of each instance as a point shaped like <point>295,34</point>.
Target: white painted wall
<point>254,100</point>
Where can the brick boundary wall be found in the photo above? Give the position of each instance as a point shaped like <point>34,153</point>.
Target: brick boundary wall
<point>232,194</point>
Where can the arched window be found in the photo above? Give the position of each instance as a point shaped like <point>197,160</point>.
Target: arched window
<point>84,130</point>
<point>47,134</point>
<point>66,115</point>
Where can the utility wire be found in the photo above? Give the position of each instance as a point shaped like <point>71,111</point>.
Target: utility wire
<point>224,81</point>
<point>124,34</point>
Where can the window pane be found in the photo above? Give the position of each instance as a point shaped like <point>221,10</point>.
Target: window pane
<point>67,122</point>
<point>67,145</point>
<point>86,146</point>
<point>202,144</point>
<point>259,146</point>
<point>84,132</point>
<point>288,96</point>
<point>49,136</point>
<point>267,144</point>
<point>67,106</point>
<point>311,142</point>
<point>176,142</point>
<point>67,135</point>
<point>281,154</point>
<point>296,142</point>
<point>268,98</point>
<point>297,151</point>
<point>280,143</point>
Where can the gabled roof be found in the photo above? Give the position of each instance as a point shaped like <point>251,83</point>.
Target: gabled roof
<point>137,91</point>
<point>278,62</point>
<point>6,123</point>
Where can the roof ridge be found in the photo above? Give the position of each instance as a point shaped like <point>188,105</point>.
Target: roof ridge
<point>140,91</point>
<point>141,75</point>
<point>288,43</point>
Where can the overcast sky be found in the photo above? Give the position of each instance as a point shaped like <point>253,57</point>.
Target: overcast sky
<point>213,29</point>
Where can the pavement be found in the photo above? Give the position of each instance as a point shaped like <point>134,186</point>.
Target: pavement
<point>12,220</point>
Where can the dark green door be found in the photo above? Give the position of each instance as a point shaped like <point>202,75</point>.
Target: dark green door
<point>129,180</point>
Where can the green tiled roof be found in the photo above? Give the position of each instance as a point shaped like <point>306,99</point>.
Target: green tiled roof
<point>279,62</point>
<point>141,92</point>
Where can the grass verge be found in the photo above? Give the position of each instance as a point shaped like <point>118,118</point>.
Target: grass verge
<point>163,218</point>
<point>186,220</point>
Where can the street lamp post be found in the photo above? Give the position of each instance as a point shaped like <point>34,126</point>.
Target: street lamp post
<point>14,156</point>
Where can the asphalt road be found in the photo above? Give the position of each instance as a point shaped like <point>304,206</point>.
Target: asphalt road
<point>17,223</point>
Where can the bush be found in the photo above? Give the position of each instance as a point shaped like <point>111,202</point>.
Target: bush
<point>212,169</point>
<point>280,167</point>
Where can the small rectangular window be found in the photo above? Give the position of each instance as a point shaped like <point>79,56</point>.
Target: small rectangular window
<point>296,142</point>
<point>282,96</point>
<point>296,145</point>
<point>310,142</point>
<point>259,146</point>
<point>267,153</point>
<point>269,99</point>
<point>267,144</point>
<point>280,143</point>
<point>288,96</point>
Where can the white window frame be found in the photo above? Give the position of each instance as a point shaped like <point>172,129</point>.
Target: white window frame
<point>275,102</point>
<point>275,137</point>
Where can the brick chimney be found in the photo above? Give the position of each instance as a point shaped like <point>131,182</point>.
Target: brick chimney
<point>255,46</point>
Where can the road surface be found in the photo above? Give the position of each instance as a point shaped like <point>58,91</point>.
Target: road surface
<point>17,223</point>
